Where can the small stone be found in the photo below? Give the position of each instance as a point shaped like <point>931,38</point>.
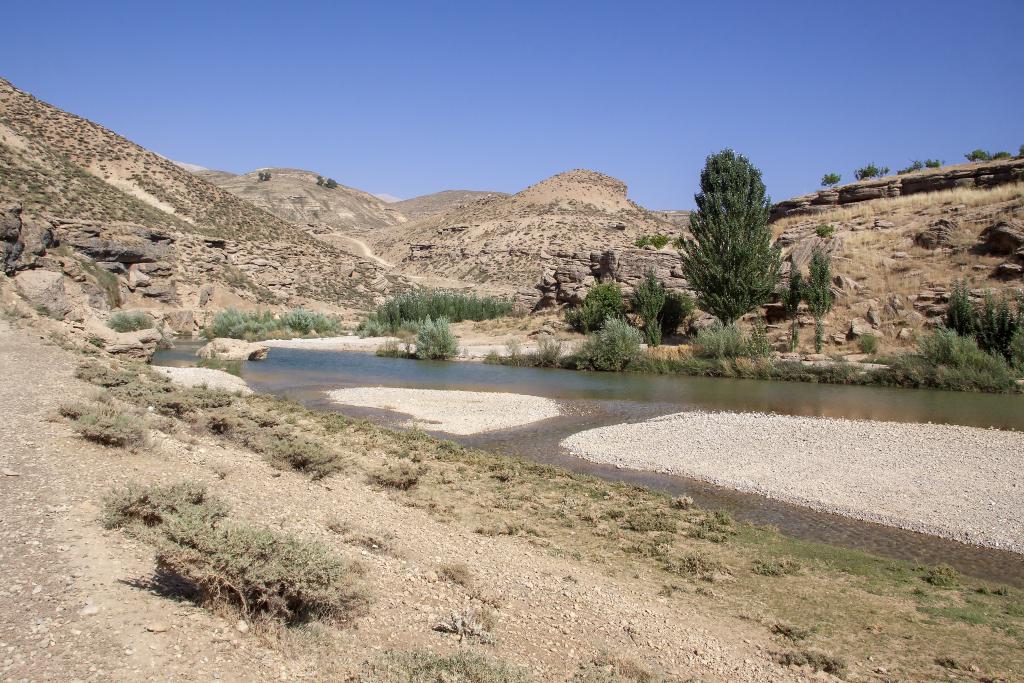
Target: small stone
<point>9,473</point>
<point>89,610</point>
<point>157,627</point>
<point>242,626</point>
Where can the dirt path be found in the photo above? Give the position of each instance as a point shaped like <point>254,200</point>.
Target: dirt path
<point>356,246</point>
<point>76,603</point>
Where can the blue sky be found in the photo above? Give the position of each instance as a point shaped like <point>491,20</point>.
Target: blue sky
<point>412,98</point>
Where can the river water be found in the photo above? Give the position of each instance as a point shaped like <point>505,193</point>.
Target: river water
<point>595,399</point>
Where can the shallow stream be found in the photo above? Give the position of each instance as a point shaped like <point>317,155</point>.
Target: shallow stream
<point>596,399</point>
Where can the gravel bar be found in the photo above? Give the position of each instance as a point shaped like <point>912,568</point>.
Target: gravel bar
<point>962,483</point>
<point>454,412</point>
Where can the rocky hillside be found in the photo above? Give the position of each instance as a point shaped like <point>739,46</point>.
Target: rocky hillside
<point>509,240</point>
<point>89,196</point>
<point>295,196</point>
<point>440,202</point>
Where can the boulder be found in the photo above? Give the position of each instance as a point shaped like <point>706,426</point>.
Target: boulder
<point>1008,271</point>
<point>180,322</point>
<point>44,290</point>
<point>858,328</point>
<point>940,234</point>
<point>140,344</point>
<point>223,348</point>
<point>800,255</point>
<point>1005,237</point>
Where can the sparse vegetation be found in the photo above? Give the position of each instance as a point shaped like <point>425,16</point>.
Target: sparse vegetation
<point>730,261</point>
<point>825,231</point>
<point>412,308</point>
<point>915,165</point>
<point>819,661</point>
<point>871,171</point>
<point>978,155</point>
<point>329,183</point>
<point>263,176</point>
<point>657,240</point>
<point>603,301</point>
<point>257,325</point>
<point>868,343</point>
<point>830,179</point>
<point>719,342</point>
<point>428,667</point>
<point>129,321</point>
<point>106,425</point>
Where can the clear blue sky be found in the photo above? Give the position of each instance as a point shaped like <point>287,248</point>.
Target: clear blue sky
<point>411,98</point>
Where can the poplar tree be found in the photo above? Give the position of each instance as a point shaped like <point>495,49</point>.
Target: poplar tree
<point>818,293</point>
<point>730,261</point>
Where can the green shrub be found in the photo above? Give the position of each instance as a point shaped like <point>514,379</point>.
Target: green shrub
<point>1017,350</point>
<point>392,348</point>
<point>129,321</point>
<point>612,348</point>
<point>871,171</point>
<point>402,475</point>
<point>603,301</point>
<point>436,340</point>
<point>825,230</point>
<point>676,312</point>
<point>719,341</point>
<point>549,352</point>
<point>942,576</point>
<point>978,155</point>
<point>960,314</point>
<point>818,661</point>
<point>996,324</point>
<point>657,240</point>
<point>256,325</point>
<point>830,179</point>
<point>775,566</point>
<point>648,300</point>
<point>757,344</point>
<point>412,308</point>
<point>868,343</point>
<point>1002,155</point>
<point>301,321</point>
<point>933,163</point>
<point>817,292</point>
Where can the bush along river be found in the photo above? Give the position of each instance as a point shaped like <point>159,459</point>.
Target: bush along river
<point>591,399</point>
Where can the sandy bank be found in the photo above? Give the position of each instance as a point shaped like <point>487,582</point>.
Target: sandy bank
<point>455,412</point>
<point>205,377</point>
<point>958,482</point>
<point>476,349</point>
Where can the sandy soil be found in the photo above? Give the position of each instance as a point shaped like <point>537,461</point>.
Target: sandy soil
<point>958,482</point>
<point>454,412</point>
<point>205,377</point>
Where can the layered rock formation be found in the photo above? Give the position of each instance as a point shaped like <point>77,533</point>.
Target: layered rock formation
<point>981,174</point>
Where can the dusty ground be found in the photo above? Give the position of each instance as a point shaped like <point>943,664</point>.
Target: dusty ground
<point>205,377</point>
<point>454,412</point>
<point>959,482</point>
<point>75,604</point>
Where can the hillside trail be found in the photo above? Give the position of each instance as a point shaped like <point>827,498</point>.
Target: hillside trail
<point>78,602</point>
<point>356,246</point>
<point>73,603</point>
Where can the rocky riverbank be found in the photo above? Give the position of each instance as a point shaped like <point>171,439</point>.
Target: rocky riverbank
<point>957,482</point>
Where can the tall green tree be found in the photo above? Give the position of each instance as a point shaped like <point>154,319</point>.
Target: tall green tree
<point>730,261</point>
<point>648,300</point>
<point>818,293</point>
<point>791,301</point>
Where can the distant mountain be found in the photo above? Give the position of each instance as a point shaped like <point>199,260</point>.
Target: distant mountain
<point>440,202</point>
<point>294,195</point>
<point>508,239</point>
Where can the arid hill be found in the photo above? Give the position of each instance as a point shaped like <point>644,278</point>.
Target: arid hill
<point>293,195</point>
<point>508,240</point>
<point>440,202</point>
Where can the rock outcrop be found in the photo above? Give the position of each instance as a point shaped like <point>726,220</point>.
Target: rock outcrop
<point>1005,237</point>
<point>981,174</point>
<point>570,275</point>
<point>223,348</point>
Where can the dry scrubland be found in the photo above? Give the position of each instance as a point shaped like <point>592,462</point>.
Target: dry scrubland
<point>424,545</point>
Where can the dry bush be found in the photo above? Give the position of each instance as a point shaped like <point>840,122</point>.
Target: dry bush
<point>469,623</point>
<point>400,475</point>
<point>151,506</point>
<point>456,573</point>
<point>428,667</point>
<point>105,425</point>
<point>819,661</point>
<point>614,669</point>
